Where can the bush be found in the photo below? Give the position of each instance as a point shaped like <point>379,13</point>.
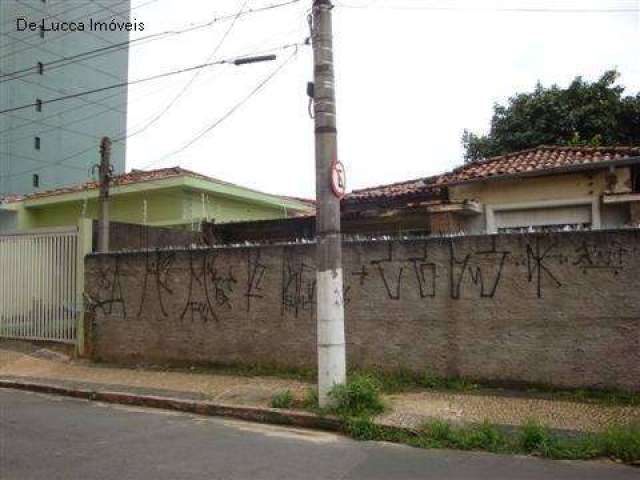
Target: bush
<point>362,428</point>
<point>535,438</point>
<point>282,400</point>
<point>311,401</point>
<point>359,397</point>
<point>484,436</point>
<point>622,443</point>
<point>440,434</point>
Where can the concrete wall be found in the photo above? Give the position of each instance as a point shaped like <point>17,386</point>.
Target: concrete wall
<point>561,309</point>
<point>128,236</point>
<point>8,220</point>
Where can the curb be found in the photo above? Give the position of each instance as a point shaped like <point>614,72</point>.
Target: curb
<point>263,415</point>
<point>199,407</point>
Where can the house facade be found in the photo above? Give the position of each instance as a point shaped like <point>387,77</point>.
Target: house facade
<point>170,197</point>
<point>550,188</point>
<point>546,188</point>
<point>543,189</point>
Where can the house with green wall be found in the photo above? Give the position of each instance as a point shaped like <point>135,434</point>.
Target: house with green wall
<point>168,197</point>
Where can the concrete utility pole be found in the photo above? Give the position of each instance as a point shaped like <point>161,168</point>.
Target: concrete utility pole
<point>105,179</point>
<point>330,314</point>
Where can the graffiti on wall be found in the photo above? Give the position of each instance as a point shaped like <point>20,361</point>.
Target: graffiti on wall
<point>110,292</point>
<point>210,288</point>
<point>210,285</point>
<point>397,272</point>
<point>156,273</point>
<point>298,285</point>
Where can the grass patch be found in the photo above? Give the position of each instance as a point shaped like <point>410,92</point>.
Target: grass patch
<point>533,438</point>
<point>311,401</point>
<point>282,400</point>
<point>589,395</point>
<point>483,436</point>
<point>403,380</point>
<point>359,400</point>
<point>622,443</point>
<point>359,397</point>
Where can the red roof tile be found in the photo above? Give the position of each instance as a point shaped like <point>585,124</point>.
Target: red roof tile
<point>540,160</point>
<point>142,176</point>
<point>419,187</point>
<point>544,159</point>
<point>132,177</point>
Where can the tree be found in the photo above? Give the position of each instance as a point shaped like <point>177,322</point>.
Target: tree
<point>584,113</point>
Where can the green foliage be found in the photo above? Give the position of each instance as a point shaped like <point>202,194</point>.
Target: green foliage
<point>282,400</point>
<point>403,380</point>
<point>359,397</point>
<point>311,401</point>
<point>535,438</point>
<point>484,436</point>
<point>584,113</point>
<point>622,443</point>
<point>362,428</point>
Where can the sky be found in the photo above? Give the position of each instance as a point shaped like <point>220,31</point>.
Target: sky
<point>411,75</point>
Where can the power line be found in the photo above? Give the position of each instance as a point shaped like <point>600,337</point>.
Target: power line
<point>196,74</point>
<point>42,120</point>
<point>147,38</point>
<point>230,112</point>
<point>378,6</point>
<point>57,15</point>
<point>107,97</point>
<point>64,34</point>
<point>122,84</point>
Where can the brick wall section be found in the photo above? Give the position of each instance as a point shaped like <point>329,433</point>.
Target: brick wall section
<point>446,223</point>
<point>635,213</point>
<point>129,236</point>
<point>560,309</point>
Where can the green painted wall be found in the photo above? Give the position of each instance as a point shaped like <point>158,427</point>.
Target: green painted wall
<point>172,207</point>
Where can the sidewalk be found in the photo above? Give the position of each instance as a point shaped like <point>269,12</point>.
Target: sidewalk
<point>45,365</point>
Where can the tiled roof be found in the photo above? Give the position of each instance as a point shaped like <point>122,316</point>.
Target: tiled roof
<point>540,160</point>
<point>543,159</point>
<point>143,176</point>
<point>10,198</point>
<point>412,188</point>
<point>132,177</point>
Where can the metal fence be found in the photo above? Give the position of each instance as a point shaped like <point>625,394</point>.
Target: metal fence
<point>38,285</point>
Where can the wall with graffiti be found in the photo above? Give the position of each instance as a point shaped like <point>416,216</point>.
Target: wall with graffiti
<point>558,308</point>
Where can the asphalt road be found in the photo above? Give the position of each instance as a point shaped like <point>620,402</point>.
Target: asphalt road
<point>47,437</point>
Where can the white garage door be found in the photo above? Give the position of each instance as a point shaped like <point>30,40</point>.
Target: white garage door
<point>578,216</point>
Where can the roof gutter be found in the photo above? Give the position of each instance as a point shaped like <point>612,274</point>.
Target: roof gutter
<point>553,171</point>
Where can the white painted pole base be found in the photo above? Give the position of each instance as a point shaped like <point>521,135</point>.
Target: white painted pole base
<point>331,338</point>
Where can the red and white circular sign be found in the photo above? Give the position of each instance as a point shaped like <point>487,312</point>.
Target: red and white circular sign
<point>338,179</point>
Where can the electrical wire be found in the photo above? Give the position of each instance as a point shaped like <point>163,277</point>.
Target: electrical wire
<point>194,77</point>
<point>380,6</point>
<point>64,34</point>
<point>230,112</point>
<point>143,40</point>
<point>120,85</point>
